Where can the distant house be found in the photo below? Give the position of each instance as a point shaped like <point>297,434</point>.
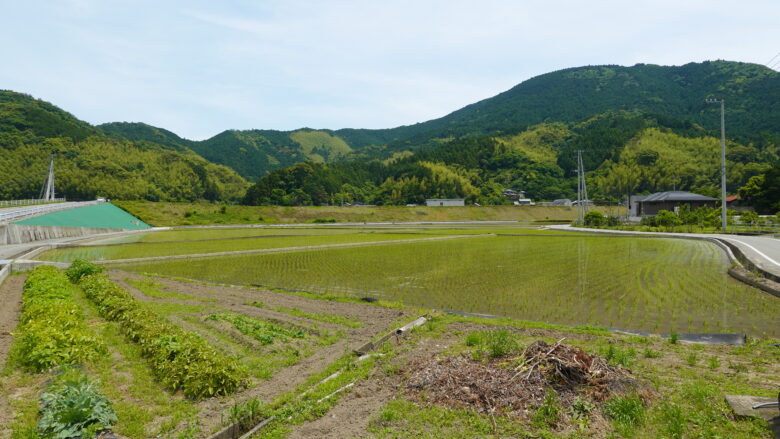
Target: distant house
<point>445,202</point>
<point>513,194</point>
<point>736,203</point>
<point>584,203</point>
<point>649,205</point>
<point>561,202</point>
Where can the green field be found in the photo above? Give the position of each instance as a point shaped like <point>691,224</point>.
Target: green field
<point>203,213</point>
<point>171,248</point>
<point>655,285</point>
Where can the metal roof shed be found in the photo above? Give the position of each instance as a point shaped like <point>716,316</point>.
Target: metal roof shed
<point>671,201</point>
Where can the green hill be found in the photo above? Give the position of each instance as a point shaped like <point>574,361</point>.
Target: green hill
<point>138,131</point>
<point>571,96</point>
<point>650,116</point>
<point>658,153</point>
<point>750,90</point>
<point>90,163</point>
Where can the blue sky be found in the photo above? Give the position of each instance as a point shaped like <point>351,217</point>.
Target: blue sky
<point>200,67</point>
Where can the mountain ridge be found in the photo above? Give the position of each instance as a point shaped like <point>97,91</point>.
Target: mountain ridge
<point>569,95</point>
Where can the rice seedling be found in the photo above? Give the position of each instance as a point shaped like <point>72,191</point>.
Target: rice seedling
<point>656,285</point>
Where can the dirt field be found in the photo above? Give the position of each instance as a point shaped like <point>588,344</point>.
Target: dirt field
<point>235,299</point>
<point>351,417</point>
<point>11,298</point>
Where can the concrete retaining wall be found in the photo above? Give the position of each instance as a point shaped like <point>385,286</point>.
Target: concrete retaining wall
<point>20,234</point>
<point>20,265</point>
<point>5,270</point>
<point>748,263</point>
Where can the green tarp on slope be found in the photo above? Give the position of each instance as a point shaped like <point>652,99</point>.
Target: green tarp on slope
<point>101,216</point>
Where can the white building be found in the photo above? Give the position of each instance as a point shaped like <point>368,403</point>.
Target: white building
<point>445,202</point>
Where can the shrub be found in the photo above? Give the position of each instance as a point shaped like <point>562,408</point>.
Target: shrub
<point>75,408</point>
<point>666,218</point>
<point>324,220</point>
<point>80,268</point>
<point>613,220</point>
<point>594,219</point>
<point>748,217</point>
<point>649,221</point>
<point>179,359</point>
<point>52,330</point>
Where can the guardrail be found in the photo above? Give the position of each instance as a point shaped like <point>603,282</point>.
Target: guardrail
<point>41,209</point>
<point>29,202</point>
<point>762,229</point>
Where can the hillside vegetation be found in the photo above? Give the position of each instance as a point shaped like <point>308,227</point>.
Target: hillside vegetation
<point>673,93</point>
<point>641,128</point>
<point>89,163</point>
<point>631,152</point>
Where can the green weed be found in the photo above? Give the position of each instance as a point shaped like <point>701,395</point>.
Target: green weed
<point>619,357</point>
<point>627,414</point>
<point>672,420</point>
<point>649,353</point>
<point>75,407</point>
<point>321,317</point>
<point>547,414</point>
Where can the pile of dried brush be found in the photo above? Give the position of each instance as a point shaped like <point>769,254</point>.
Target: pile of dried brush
<point>517,386</point>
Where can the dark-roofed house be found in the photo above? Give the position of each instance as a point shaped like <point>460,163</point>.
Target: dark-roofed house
<point>648,205</point>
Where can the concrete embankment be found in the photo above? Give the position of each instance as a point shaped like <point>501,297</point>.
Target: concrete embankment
<point>21,234</point>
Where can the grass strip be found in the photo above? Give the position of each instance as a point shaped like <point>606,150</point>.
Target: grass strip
<point>320,317</point>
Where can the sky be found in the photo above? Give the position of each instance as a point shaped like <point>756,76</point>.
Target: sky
<point>198,67</point>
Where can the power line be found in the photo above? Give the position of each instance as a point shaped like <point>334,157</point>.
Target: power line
<point>773,58</point>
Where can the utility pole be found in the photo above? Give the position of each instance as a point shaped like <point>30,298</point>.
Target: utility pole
<point>582,190</point>
<point>722,159</point>
<point>47,191</point>
<point>584,186</point>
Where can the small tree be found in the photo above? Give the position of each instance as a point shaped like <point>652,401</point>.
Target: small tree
<point>749,217</point>
<point>594,219</point>
<point>666,218</point>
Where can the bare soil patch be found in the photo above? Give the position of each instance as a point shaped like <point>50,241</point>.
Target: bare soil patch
<point>11,298</point>
<point>350,417</point>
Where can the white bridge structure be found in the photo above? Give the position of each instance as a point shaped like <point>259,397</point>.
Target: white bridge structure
<point>11,215</point>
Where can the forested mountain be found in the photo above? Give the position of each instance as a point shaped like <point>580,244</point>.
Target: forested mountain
<point>628,151</point>
<point>89,163</point>
<point>642,128</point>
<point>253,153</point>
